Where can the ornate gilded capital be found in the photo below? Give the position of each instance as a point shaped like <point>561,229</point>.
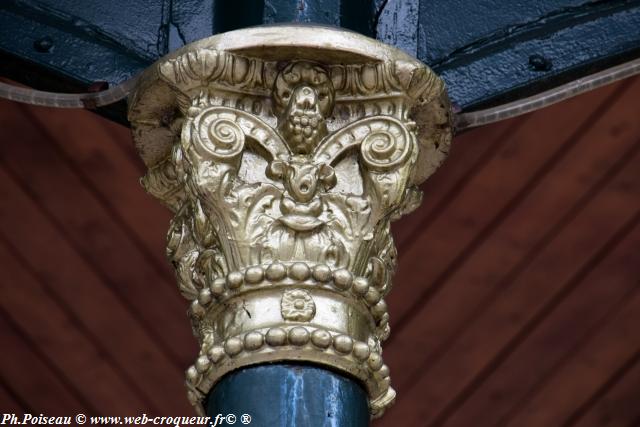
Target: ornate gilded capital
<point>285,152</point>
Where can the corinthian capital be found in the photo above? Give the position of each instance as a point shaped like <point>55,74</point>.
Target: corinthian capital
<point>285,153</point>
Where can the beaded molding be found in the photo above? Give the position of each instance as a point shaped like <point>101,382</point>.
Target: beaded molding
<point>262,346</point>
<point>297,274</point>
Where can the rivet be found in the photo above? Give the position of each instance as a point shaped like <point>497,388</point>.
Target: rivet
<point>540,63</point>
<point>43,45</point>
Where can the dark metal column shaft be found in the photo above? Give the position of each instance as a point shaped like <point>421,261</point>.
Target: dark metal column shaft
<point>356,15</point>
<point>286,395</point>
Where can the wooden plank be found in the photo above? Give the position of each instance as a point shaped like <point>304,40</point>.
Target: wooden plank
<point>469,152</point>
<point>519,236</point>
<point>65,342</point>
<point>11,403</point>
<point>558,338</point>
<point>103,311</point>
<point>107,163</point>
<point>474,354</point>
<point>607,352</point>
<point>618,406</point>
<point>32,379</point>
<point>76,208</point>
<point>459,229</point>
<point>473,282</point>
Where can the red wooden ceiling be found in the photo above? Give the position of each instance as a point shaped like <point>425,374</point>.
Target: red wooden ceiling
<point>516,301</point>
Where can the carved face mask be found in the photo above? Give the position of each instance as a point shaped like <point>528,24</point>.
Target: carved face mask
<point>303,98</point>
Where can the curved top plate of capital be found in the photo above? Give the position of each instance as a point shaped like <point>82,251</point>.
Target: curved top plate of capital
<point>240,69</point>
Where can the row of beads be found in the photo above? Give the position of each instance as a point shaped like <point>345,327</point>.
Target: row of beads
<point>342,279</point>
<point>296,336</point>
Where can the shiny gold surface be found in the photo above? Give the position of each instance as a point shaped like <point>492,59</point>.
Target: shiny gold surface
<point>285,152</point>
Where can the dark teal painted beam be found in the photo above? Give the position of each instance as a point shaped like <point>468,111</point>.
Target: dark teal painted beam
<point>288,395</point>
<point>488,51</point>
<point>525,48</point>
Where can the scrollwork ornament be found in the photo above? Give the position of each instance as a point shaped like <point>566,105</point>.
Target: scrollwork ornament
<point>385,143</point>
<point>386,147</point>
<point>217,136</point>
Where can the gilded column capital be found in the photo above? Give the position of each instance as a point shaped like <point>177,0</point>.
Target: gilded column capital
<point>285,152</point>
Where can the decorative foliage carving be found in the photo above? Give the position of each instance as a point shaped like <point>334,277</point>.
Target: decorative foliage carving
<point>297,305</point>
<point>199,67</point>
